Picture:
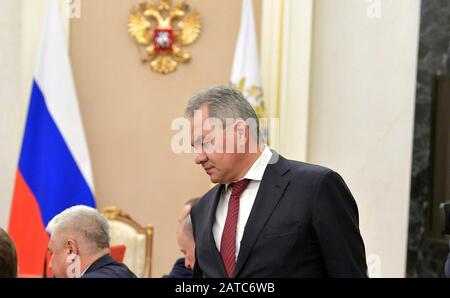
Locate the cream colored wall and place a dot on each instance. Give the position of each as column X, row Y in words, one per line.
column 11, row 104
column 127, row 112
column 361, row 117
column 286, row 60
column 343, row 85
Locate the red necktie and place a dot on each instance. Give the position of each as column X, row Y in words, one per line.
column 228, row 241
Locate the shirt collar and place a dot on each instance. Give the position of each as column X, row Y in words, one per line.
column 84, row 271
column 258, row 168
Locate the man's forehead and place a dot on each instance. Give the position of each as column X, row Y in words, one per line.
column 201, row 121
column 199, row 129
column 206, row 134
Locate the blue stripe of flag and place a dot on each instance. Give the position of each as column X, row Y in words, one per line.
column 47, row 164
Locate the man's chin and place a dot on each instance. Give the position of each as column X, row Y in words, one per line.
column 214, row 179
column 217, row 180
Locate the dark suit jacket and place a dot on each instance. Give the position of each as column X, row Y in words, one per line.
column 107, row 267
column 447, row 267
column 447, row 264
column 304, row 223
column 179, row 270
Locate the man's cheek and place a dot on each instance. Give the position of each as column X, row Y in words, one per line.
column 61, row 267
column 63, row 270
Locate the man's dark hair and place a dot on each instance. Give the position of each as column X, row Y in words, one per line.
column 8, row 256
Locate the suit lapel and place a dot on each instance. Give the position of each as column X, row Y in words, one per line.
column 270, row 192
column 210, row 237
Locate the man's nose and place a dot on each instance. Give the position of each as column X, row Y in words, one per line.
column 200, row 157
column 187, row 264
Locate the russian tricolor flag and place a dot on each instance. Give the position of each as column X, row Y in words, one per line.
column 54, row 169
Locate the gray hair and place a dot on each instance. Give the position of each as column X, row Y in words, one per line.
column 223, row 102
column 85, row 222
column 186, row 227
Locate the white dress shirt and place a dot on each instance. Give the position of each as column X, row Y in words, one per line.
column 246, row 200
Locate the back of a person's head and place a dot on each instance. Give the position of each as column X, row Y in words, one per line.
column 187, row 209
column 192, row 202
column 83, row 223
column 185, row 226
column 8, row 256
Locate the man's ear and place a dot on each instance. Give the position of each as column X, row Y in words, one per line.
column 72, row 247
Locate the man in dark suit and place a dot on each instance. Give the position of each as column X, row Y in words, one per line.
column 267, row 216
column 183, row 266
column 79, row 246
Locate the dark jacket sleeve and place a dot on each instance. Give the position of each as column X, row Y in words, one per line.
column 179, row 270
column 447, row 264
column 335, row 223
column 197, row 273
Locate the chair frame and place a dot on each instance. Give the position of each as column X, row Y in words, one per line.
column 115, row 213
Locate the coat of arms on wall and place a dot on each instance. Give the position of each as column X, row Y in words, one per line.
column 161, row 31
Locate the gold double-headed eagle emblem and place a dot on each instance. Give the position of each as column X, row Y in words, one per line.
column 161, row 30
